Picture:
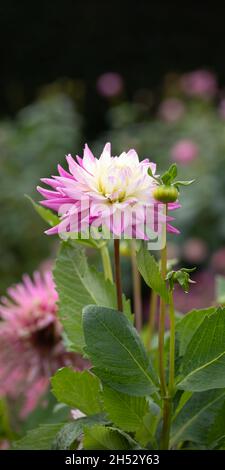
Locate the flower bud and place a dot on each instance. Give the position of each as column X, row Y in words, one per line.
column 165, row 193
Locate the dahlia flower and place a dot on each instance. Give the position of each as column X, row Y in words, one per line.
column 110, row 192
column 110, row 84
column 184, row 151
column 201, row 83
column 31, row 346
column 171, row 110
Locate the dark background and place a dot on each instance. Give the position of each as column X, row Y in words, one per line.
column 44, row 40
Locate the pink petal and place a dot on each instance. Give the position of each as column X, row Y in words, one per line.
column 63, row 172
column 106, row 153
column 50, row 182
column 47, row 193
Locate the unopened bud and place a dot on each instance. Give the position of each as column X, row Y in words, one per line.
column 165, row 193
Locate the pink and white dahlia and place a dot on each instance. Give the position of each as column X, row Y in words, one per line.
column 110, row 193
column 31, row 346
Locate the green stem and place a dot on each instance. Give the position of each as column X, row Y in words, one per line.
column 118, row 275
column 106, row 262
column 165, row 438
column 162, row 314
column 167, row 407
column 151, row 319
column 5, row 419
column 172, row 345
column 136, row 288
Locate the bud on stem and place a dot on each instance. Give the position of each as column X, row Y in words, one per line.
column 165, row 193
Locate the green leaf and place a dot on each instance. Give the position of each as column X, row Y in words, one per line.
column 173, row 170
column 196, row 417
column 150, row 172
column 116, row 351
column 188, row 325
column 149, row 269
column 39, row 439
column 170, row 174
column 183, row 183
column 145, row 434
column 86, row 242
column 46, row 214
column 180, row 400
column 216, row 432
column 68, row 434
column 125, row 411
column 52, row 219
column 106, row 438
column 203, row 365
column 78, row 285
column 220, row 289
column 57, row 436
column 156, row 178
column 78, row 390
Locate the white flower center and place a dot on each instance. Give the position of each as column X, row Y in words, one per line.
column 121, row 178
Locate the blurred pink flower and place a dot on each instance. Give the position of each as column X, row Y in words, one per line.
column 31, row 346
column 171, row 110
column 103, row 194
column 4, row 444
column 184, row 151
column 195, row 250
column 201, row 83
column 202, row 294
column 110, row 84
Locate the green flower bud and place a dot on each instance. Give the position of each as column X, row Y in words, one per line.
column 181, row 277
column 165, row 193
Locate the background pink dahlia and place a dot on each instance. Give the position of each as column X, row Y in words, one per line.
column 31, row 346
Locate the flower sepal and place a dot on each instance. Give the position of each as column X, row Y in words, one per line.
column 167, row 190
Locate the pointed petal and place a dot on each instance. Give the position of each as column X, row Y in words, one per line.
column 63, row 172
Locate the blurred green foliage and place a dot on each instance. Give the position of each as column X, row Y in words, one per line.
column 30, row 148
column 38, row 138
column 41, row 135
